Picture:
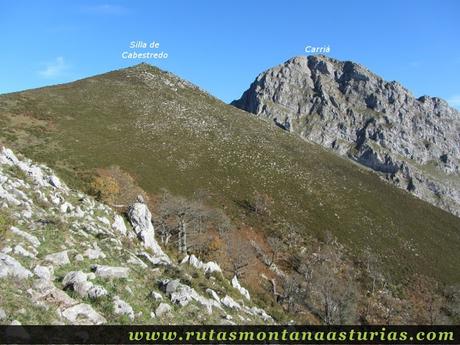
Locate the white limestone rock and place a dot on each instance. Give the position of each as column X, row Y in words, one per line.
column 83, row 314
column 230, row 303
column 31, row 238
column 242, row 290
column 108, row 272
column 58, row 259
column 10, row 267
column 141, row 220
column 44, row 272
column 2, row 315
column 120, row 307
column 20, row 250
column 163, row 309
column 119, row 225
column 208, row 267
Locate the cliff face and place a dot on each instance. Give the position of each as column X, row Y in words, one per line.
column 412, row 142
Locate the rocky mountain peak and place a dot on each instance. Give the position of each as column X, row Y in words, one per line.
column 412, row 142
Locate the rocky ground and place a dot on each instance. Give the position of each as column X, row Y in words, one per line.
column 68, row 259
column 412, row 142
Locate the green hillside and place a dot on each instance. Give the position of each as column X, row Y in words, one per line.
column 169, row 134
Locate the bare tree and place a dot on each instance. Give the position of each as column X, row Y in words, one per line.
column 332, row 292
column 277, row 248
column 239, row 252
column 292, row 292
column 221, row 221
column 181, row 217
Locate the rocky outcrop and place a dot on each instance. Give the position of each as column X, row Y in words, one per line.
column 104, row 272
column 208, row 267
column 141, row 219
column 236, row 284
column 412, row 142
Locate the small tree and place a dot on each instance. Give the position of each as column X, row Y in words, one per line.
column 239, row 252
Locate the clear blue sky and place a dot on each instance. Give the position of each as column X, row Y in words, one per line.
column 222, row 45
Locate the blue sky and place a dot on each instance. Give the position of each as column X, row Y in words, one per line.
column 222, row 45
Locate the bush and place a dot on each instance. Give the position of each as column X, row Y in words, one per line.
column 105, row 188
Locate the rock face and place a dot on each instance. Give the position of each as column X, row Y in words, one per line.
column 412, row 142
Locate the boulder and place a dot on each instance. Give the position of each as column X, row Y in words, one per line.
column 120, row 307
column 163, row 309
column 156, row 296
column 44, row 272
column 183, row 295
column 169, row 286
column 83, row 314
column 58, row 259
column 97, row 292
column 78, row 281
column 45, row 291
column 10, row 267
column 157, row 259
column 8, row 157
column 261, row 313
column 110, row 271
column 82, row 288
column 20, row 250
column 72, row 278
column 94, row 253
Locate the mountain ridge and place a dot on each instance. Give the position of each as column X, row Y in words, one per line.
column 343, row 106
column 168, row 135
column 286, row 216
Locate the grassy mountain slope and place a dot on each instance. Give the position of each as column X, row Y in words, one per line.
column 170, row 134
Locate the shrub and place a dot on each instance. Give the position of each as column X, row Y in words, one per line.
column 105, row 188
